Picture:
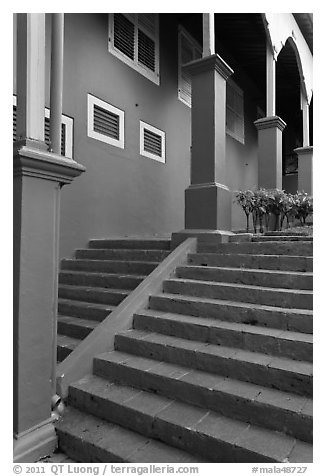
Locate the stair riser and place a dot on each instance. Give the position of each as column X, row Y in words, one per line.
column 238, row 276
column 62, row 353
column 251, row 315
column 84, row 451
column 89, row 312
column 123, row 267
column 269, row 248
column 126, row 255
column 185, row 438
column 276, row 263
column 263, row 239
column 234, row 406
column 288, row 381
column 288, row 299
column 75, row 331
column 131, row 244
column 226, row 337
column 97, row 280
column 92, row 295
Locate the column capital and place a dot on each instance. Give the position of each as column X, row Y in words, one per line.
column 35, row 162
column 304, row 150
column 208, row 63
column 270, row 122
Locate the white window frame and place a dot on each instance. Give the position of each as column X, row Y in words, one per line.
column 195, row 45
column 153, row 76
column 91, row 101
column 238, row 137
column 142, row 126
column 69, row 128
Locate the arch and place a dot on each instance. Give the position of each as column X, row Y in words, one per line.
column 282, row 27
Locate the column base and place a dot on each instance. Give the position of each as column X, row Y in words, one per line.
column 33, row 444
column 305, row 169
column 208, row 207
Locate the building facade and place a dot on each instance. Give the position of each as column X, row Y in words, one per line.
column 161, row 118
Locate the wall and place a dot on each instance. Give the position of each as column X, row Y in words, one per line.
column 121, row 191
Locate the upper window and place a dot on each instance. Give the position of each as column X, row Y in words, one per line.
column 134, row 38
column 67, row 125
column 234, row 111
column 188, row 50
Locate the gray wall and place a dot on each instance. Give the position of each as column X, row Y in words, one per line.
column 122, row 192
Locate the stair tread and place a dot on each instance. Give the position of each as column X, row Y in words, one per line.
column 234, row 303
column 242, row 286
column 100, row 273
column 124, row 444
column 199, row 421
column 87, row 304
column 237, row 355
column 211, row 253
column 95, row 289
column 77, row 321
column 230, row 386
column 249, row 270
column 235, row 326
column 66, row 341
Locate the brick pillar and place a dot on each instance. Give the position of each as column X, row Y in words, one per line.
column 270, row 151
column 305, row 174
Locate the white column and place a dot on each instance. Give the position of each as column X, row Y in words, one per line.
column 270, row 81
column 57, row 43
column 305, row 120
column 208, row 34
column 30, row 76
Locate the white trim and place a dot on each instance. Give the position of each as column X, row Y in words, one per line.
column 142, row 151
column 91, row 101
column 67, row 121
column 153, row 76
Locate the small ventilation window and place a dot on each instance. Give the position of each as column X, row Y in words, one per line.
column 134, row 39
column 105, row 122
column 152, row 142
column 66, row 130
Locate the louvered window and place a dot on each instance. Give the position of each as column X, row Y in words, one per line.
column 234, row 111
column 105, row 122
column 152, row 142
column 134, row 38
column 66, row 130
column 188, row 50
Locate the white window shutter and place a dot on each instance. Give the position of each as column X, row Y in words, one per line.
column 189, row 50
column 124, row 35
column 234, row 111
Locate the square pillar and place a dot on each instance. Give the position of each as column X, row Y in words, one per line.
column 305, row 174
column 270, row 151
column 208, row 199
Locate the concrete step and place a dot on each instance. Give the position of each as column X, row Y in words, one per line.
column 132, row 243
column 102, row 280
column 292, row 345
column 88, row 310
column 89, row 439
column 107, row 266
column 122, row 254
column 91, row 294
column 254, row 404
column 285, row 233
column 268, row 248
column 75, row 327
column 256, row 277
column 296, row 320
column 270, row 371
column 264, row 238
column 65, row 345
column 253, row 261
column 289, row 298
column 197, row 431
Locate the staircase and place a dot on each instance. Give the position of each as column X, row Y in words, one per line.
column 100, row 277
column 218, row 368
